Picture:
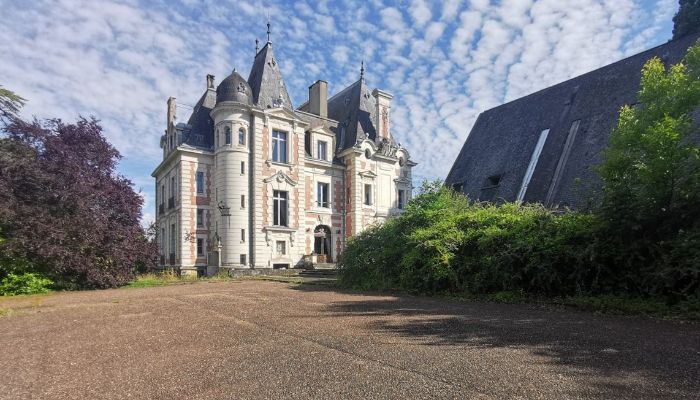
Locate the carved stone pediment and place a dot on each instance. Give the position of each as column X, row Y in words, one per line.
column 280, row 177
column 368, row 174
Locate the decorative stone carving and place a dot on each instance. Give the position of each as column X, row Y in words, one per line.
column 387, row 148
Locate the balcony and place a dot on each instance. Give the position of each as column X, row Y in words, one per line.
column 172, row 259
column 161, row 209
column 171, row 203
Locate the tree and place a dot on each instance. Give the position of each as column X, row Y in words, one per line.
column 64, row 209
column 651, row 179
column 10, row 104
column 687, row 20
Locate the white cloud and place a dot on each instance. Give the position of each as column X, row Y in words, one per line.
column 445, row 62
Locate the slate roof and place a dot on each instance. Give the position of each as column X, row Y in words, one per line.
column 199, row 131
column 503, row 138
column 354, row 109
column 266, row 81
column 234, row 88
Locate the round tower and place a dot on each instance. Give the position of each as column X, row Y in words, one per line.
column 231, row 117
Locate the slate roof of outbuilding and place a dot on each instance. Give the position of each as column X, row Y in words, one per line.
column 503, row 138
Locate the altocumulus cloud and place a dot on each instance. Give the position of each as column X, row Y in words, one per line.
column 445, row 61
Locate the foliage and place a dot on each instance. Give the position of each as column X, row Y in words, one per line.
column 687, row 20
column 651, row 181
column 64, row 212
column 442, row 243
column 10, row 104
column 27, row 283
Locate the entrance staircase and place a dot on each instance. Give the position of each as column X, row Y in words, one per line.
column 321, row 270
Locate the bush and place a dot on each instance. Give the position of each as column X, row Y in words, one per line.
column 27, row 283
column 444, row 244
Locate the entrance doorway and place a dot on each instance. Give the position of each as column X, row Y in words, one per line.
column 322, row 244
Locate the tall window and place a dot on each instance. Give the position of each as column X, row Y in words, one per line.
column 172, row 186
column 242, row 167
column 227, row 135
column 242, row 235
column 322, row 195
column 162, row 240
column 243, row 259
column 241, row 136
column 200, row 182
column 321, row 150
column 242, row 201
column 402, row 199
column 368, row 194
column 533, row 163
column 279, row 208
column 200, row 247
column 173, row 238
column 200, row 217
column 162, row 194
column 279, row 147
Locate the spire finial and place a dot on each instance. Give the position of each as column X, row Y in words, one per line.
column 362, row 71
column 257, row 45
column 268, row 28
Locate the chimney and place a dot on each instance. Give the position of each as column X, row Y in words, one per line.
column 172, row 108
column 318, row 99
column 210, row 81
column 383, row 101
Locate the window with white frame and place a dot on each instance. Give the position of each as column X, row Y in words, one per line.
column 322, row 150
column 279, row 147
column 322, row 196
column 279, row 208
column 368, row 194
column 200, row 182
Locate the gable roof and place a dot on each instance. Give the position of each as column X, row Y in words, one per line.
column 266, row 81
column 580, row 114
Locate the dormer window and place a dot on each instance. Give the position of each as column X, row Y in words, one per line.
column 227, row 135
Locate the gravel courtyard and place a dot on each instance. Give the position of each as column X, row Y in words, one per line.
column 259, row 339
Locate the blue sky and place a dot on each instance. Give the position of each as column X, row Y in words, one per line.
column 444, row 61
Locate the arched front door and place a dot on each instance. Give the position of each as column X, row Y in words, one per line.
column 322, row 243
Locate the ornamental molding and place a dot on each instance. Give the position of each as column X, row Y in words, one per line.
column 367, row 174
column 280, row 177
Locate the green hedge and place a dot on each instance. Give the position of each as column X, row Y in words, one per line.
column 444, row 244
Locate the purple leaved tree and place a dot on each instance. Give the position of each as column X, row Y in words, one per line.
column 64, row 210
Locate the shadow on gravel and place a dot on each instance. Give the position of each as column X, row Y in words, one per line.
column 663, row 353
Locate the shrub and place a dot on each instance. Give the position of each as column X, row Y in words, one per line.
column 26, row 283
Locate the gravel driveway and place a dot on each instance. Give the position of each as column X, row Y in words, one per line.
column 257, row 339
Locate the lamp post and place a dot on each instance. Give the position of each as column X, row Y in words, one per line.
column 225, row 211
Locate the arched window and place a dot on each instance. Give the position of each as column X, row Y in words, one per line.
column 241, row 136
column 227, row 135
